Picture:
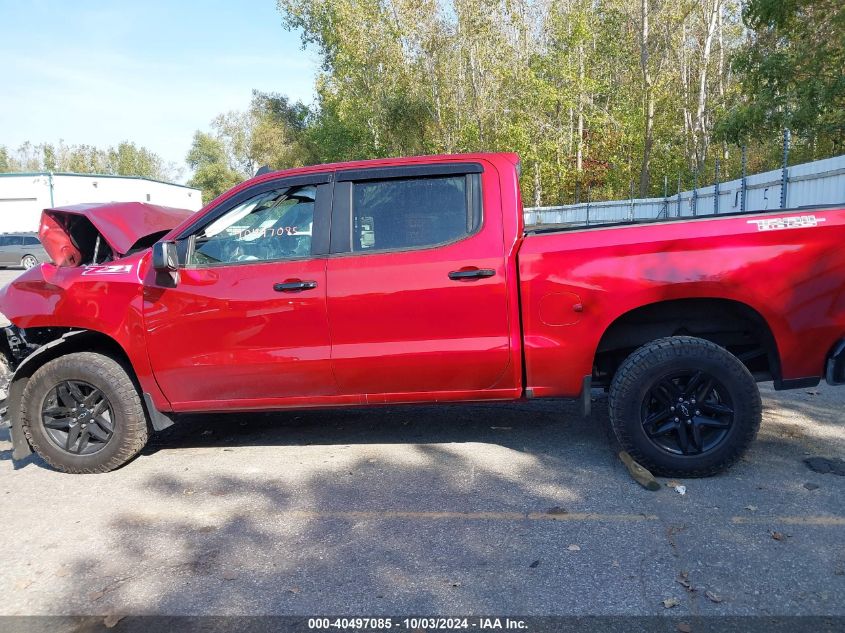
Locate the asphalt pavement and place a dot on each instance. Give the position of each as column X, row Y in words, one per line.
column 511, row 509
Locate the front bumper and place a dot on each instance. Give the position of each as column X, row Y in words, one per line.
column 13, row 349
column 835, row 369
column 5, row 382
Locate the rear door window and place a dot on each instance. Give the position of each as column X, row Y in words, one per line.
column 412, row 213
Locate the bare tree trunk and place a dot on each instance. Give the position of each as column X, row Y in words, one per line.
column 719, row 30
column 701, row 113
column 648, row 101
column 558, row 161
column 579, row 153
column 537, row 190
column 689, row 142
column 721, row 71
column 476, row 97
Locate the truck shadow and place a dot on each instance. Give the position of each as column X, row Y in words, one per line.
column 505, row 423
column 427, row 510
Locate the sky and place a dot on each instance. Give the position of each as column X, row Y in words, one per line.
column 151, row 71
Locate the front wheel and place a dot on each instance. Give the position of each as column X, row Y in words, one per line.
column 82, row 414
column 684, row 407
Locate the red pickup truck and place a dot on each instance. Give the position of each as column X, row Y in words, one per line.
column 413, row 280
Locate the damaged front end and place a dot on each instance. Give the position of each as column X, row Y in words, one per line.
column 87, row 298
column 9, row 339
column 16, row 346
column 87, row 234
column 77, row 237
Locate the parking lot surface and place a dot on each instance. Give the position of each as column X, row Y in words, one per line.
column 520, row 509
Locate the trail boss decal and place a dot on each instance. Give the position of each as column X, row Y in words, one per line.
column 794, row 222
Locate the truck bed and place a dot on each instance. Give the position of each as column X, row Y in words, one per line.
column 787, row 266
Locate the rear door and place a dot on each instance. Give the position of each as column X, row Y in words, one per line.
column 417, row 296
column 18, row 243
column 31, row 246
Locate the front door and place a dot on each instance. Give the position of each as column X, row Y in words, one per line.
column 245, row 324
column 417, row 295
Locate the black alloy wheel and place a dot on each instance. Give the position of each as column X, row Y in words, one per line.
column 78, row 417
column 687, row 413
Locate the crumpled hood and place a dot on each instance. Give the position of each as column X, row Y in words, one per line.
column 121, row 224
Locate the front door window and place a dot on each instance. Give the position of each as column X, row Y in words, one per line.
column 271, row 226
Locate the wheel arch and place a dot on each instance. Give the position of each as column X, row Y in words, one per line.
column 732, row 324
column 68, row 343
column 74, row 341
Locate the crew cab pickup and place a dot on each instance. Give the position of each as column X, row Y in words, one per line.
column 413, row 280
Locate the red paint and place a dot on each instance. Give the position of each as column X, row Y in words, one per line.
column 108, row 302
column 224, row 334
column 392, row 327
column 794, row 278
column 400, row 325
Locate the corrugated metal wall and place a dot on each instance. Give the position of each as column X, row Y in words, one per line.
column 819, row 182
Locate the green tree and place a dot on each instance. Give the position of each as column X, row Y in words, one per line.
column 126, row 159
column 213, row 173
column 791, row 75
column 272, row 132
column 278, row 137
column 595, row 95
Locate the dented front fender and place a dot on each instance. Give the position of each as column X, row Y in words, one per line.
column 104, row 298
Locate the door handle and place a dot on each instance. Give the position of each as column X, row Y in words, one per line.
column 475, row 273
column 294, row 286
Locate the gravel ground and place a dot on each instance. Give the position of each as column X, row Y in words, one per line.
column 473, row 509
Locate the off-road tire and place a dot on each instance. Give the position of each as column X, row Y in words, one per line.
column 109, row 376
column 648, row 365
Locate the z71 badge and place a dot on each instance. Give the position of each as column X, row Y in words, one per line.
column 109, row 269
column 793, row 222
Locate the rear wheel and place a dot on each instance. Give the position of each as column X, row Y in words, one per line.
column 82, row 414
column 683, row 406
column 29, row 261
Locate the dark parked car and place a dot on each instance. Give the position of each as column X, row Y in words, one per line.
column 21, row 249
